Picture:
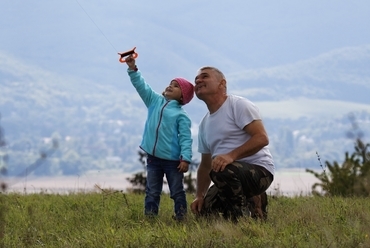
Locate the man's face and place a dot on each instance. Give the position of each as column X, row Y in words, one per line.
column 206, row 82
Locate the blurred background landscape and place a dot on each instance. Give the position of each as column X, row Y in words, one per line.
column 305, row 65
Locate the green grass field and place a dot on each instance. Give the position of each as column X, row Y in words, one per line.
column 108, row 218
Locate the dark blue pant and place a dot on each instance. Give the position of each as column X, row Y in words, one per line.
column 156, row 169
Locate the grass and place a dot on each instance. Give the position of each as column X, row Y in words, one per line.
column 110, row 218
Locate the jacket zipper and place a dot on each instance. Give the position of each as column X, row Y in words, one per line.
column 157, row 130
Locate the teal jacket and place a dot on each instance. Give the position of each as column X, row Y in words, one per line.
column 167, row 133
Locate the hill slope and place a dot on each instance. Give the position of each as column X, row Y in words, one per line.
column 305, row 108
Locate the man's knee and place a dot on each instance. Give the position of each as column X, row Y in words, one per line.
column 227, row 175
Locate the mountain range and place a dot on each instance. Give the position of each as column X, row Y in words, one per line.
column 102, row 127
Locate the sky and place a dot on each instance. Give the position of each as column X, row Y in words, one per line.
column 241, row 34
column 247, row 40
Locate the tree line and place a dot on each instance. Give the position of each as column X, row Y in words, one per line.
column 352, row 176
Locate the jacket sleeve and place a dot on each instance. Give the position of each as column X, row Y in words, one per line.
column 185, row 138
column 146, row 93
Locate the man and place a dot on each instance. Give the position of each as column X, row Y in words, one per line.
column 234, row 154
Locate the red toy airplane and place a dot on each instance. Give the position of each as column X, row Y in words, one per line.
column 125, row 54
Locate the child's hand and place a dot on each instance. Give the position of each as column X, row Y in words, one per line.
column 183, row 167
column 130, row 61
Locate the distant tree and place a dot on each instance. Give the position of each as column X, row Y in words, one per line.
column 3, row 158
column 42, row 159
column 3, row 186
column 138, row 181
column 189, row 180
column 352, row 177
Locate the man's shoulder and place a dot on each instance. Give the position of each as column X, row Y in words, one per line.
column 237, row 100
column 233, row 97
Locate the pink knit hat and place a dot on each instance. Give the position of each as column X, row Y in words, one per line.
column 187, row 89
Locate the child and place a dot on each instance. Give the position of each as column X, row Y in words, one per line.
column 166, row 139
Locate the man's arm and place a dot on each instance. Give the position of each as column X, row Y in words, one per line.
column 203, row 182
column 203, row 179
column 258, row 140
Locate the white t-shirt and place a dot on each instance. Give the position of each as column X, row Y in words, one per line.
column 222, row 131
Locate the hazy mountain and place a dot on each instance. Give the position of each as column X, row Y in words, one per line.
column 101, row 128
column 341, row 74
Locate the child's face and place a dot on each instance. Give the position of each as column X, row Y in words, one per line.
column 173, row 91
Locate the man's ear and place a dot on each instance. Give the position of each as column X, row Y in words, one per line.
column 223, row 83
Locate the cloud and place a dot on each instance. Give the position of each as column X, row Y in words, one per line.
column 310, row 108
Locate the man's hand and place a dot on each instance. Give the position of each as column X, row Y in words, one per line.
column 220, row 161
column 196, row 205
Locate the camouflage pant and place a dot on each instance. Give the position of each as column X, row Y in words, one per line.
column 236, row 189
